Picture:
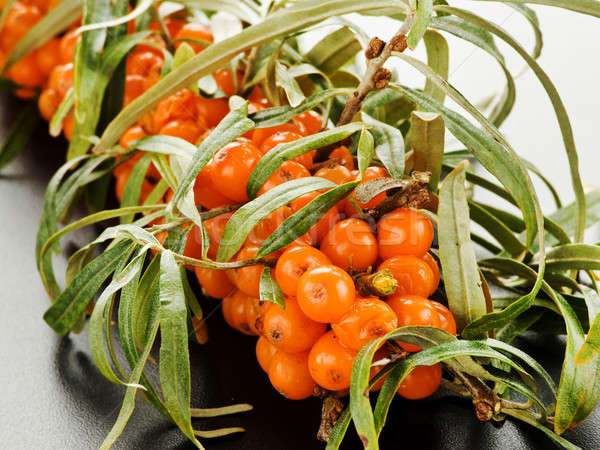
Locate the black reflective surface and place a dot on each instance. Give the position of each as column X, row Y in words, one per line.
column 52, row 396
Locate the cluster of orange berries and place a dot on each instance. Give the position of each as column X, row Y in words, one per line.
column 314, row 340
column 33, row 70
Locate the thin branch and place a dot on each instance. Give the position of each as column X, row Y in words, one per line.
column 487, row 403
column 376, row 76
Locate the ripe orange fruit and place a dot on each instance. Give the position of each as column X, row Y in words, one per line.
column 289, row 375
column 293, row 263
column 447, row 321
column 345, row 157
column 336, row 174
column 351, row 244
column 232, row 166
column 325, row 293
column 260, row 135
column 421, row 382
column 291, row 330
column 367, row 319
column 311, row 120
column 205, row 192
column 265, row 352
column 283, row 137
column 413, row 310
column 414, row 276
column 193, row 31
column 48, row 103
column 48, row 56
column 68, row 43
column 404, row 232
column 234, row 312
column 289, row 170
column 433, row 265
column 322, row 227
column 25, row 72
column 214, row 282
column 372, row 173
column 212, row 109
column 247, row 279
column 330, row 363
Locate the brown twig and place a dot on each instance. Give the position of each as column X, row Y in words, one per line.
column 487, row 403
column 376, row 76
column 330, row 413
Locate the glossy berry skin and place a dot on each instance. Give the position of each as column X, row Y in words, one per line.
column 247, row 279
column 260, row 135
column 25, row 72
column 336, row 174
column 351, row 244
column 421, row 382
column 214, row 228
column 433, row 265
column 69, row 127
column 447, row 321
column 330, row 363
column 61, row 79
column 188, row 130
column 179, row 106
column 322, row 227
column 404, row 232
column 367, row 319
column 289, row 170
column 343, row 154
column 19, row 19
column 212, row 109
column 291, row 330
column 326, row 293
column 265, row 351
column 48, row 56
column 68, row 43
column 226, row 83
column 234, row 312
column 135, row 85
column 283, row 137
column 293, row 263
column 214, row 282
column 232, row 166
column 414, row 276
column 205, row 192
column 413, row 310
column 289, row 375
column 48, row 103
column 311, row 121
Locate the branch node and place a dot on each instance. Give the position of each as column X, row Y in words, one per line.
column 382, row 78
column 375, row 48
column 399, row 43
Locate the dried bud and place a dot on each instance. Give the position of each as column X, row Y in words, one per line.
column 374, row 49
column 399, row 43
column 381, row 78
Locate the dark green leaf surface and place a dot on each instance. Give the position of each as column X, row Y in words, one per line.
column 19, row 134
column 269, row 289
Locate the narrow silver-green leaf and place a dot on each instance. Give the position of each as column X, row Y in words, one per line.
column 427, row 140
column 422, row 19
column 389, row 145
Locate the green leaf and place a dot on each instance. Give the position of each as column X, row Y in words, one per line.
column 528, row 417
column 422, row 19
column 19, row 134
column 457, row 255
column 64, row 109
column 574, row 257
column 280, row 23
column 270, row 162
column 334, row 50
column 365, row 150
column 166, row 145
column 591, row 346
column 270, row 290
column 174, row 366
column 555, row 99
column 532, row 18
column 389, row 145
column 141, row 7
column 289, row 84
column 232, row 126
column 590, row 7
column 497, row 228
column 427, row 140
column 339, row 430
column 184, row 53
column 133, row 187
column 299, row 223
column 56, row 21
column 73, row 301
column 248, row 216
column 438, row 58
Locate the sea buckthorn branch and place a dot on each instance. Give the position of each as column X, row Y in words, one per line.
column 380, row 283
column 330, row 412
column 270, row 262
column 376, row 76
column 487, row 403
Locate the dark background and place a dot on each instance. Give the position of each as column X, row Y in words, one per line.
column 53, row 397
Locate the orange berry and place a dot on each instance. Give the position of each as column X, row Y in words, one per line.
column 214, row 282
column 322, row 227
column 214, row 228
column 146, row 64
column 336, row 174
column 232, row 166
column 412, row 274
column 421, row 382
column 260, row 135
column 25, row 72
column 413, row 310
column 404, row 232
column 289, row 170
column 345, row 157
column 122, row 183
column 433, row 265
column 134, row 133
column 173, row 25
column 225, row 81
column 290, row 329
column 234, row 311
column 293, row 263
column 351, row 244
column 48, row 56
column 283, row 137
column 61, row 79
column 367, row 319
column 17, row 23
column 289, row 375
column 48, row 103
column 247, row 279
column 68, row 43
column 181, row 105
column 212, row 109
column 193, row 31
column 205, row 192
column 193, row 245
column 326, row 293
column 447, row 321
column 265, row 352
column 69, row 126
column 135, row 85
column 311, row 120
column 330, row 363
column 268, row 225
column 188, row 130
